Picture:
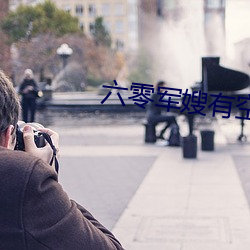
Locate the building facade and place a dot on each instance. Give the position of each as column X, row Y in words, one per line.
column 15, row 3
column 208, row 13
column 120, row 18
column 147, row 10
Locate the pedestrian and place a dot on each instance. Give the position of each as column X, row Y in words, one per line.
column 35, row 212
column 155, row 114
column 29, row 92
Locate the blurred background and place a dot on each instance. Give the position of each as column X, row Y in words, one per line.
column 76, row 46
column 127, row 40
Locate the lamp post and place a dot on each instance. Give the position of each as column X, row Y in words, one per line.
column 64, row 51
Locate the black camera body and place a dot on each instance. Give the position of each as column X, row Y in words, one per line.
column 38, row 138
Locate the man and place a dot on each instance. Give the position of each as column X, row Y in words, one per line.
column 35, row 212
column 154, row 112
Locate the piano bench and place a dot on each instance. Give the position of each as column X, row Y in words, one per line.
column 150, row 132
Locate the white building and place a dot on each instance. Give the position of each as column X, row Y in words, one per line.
column 15, row 3
column 120, row 17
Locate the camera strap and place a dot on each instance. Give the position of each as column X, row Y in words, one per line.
column 48, row 139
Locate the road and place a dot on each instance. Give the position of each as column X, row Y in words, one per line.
column 98, row 167
column 102, row 182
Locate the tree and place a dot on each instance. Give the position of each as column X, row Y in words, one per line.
column 42, row 18
column 100, row 33
column 94, row 64
column 5, row 63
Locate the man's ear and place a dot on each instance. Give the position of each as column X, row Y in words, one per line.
column 7, row 140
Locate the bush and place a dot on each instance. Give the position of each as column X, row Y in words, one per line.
column 93, row 81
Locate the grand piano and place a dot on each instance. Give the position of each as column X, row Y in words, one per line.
column 231, row 83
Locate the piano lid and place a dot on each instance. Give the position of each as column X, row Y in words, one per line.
column 218, row 78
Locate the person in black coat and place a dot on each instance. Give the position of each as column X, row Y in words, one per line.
column 29, row 92
column 155, row 113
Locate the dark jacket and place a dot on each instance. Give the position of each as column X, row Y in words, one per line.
column 152, row 108
column 31, row 94
column 36, row 214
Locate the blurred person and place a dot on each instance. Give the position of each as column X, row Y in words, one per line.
column 29, row 92
column 35, row 212
column 155, row 113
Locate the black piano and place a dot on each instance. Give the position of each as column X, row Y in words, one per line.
column 231, row 83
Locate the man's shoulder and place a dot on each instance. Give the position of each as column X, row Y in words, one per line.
column 14, row 160
column 16, row 169
column 22, row 163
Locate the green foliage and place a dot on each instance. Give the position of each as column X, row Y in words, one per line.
column 142, row 70
column 42, row 18
column 93, row 80
column 100, row 33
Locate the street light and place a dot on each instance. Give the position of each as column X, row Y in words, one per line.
column 64, row 51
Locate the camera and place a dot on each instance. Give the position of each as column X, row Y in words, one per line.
column 38, row 137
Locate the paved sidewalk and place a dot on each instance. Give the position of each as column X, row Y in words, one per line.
column 175, row 204
column 188, row 204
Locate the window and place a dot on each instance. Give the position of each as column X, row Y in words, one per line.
column 132, row 26
column 119, row 9
column 91, row 27
column 79, row 10
column 170, row 4
column 82, row 26
column 119, row 44
column 92, row 10
column 215, row 4
column 132, row 10
column 106, row 9
column 107, row 25
column 119, row 26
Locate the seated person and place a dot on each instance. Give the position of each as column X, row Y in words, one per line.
column 155, row 114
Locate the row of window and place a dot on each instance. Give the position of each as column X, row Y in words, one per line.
column 175, row 4
column 118, row 28
column 119, row 44
column 107, row 9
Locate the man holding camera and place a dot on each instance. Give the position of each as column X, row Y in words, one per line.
column 35, row 212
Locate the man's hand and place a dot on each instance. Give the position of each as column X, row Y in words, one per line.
column 45, row 153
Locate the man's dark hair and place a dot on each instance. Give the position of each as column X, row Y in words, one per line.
column 160, row 83
column 9, row 104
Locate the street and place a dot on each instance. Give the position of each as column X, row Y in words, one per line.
column 139, row 188
column 102, row 182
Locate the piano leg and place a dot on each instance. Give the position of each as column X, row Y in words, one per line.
column 242, row 137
